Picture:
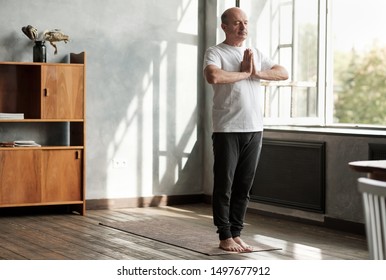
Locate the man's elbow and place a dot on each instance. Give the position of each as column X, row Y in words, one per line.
column 211, row 79
column 212, row 75
column 283, row 74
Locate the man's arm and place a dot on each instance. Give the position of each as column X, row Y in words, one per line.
column 215, row 75
column 276, row 73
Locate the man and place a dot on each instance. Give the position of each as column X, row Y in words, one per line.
column 234, row 72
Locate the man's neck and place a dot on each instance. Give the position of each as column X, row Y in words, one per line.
column 234, row 44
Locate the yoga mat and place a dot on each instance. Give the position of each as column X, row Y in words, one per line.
column 186, row 234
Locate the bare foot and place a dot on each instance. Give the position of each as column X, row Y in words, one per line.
column 245, row 246
column 230, row 245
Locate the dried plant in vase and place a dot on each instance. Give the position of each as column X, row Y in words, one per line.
column 52, row 36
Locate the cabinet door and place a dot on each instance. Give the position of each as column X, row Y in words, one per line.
column 62, row 92
column 62, row 175
column 19, row 177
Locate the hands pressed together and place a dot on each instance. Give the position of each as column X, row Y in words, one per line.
column 247, row 65
column 276, row 73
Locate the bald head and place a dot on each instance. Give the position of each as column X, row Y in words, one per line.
column 230, row 13
column 234, row 23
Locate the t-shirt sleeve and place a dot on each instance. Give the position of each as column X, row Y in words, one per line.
column 266, row 62
column 212, row 57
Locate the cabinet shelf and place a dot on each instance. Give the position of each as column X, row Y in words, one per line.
column 76, row 202
column 42, row 148
column 51, row 97
column 79, row 63
column 39, row 120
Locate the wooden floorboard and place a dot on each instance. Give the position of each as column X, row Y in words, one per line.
column 60, row 236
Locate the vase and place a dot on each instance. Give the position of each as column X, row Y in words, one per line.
column 39, row 52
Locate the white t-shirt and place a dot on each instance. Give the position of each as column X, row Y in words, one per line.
column 236, row 106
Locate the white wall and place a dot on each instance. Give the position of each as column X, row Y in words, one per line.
column 142, row 59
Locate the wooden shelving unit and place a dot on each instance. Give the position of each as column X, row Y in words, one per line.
column 52, row 98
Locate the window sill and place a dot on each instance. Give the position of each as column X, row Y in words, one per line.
column 346, row 130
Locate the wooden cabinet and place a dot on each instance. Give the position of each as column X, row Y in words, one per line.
column 51, row 97
column 62, row 85
column 62, row 176
column 20, row 177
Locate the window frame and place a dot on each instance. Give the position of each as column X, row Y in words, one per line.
column 292, row 84
column 325, row 76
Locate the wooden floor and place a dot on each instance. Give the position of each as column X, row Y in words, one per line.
column 68, row 236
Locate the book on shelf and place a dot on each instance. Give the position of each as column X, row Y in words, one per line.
column 20, row 143
column 26, row 143
column 7, row 144
column 11, row 116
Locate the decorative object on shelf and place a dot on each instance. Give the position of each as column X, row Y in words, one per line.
column 55, row 36
column 39, row 52
column 52, row 36
column 30, row 31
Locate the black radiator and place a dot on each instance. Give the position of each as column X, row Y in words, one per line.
column 291, row 174
column 377, row 151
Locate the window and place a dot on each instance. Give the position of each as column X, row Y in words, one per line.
column 358, row 62
column 335, row 54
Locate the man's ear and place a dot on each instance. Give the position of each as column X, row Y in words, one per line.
column 223, row 26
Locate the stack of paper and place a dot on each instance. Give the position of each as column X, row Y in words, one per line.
column 26, row 143
column 12, row 116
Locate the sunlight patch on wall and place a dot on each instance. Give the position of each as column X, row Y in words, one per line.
column 163, row 101
column 187, row 17
column 130, row 169
column 186, row 98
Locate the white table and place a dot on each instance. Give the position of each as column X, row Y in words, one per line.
column 375, row 169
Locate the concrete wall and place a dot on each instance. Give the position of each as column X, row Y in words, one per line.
column 142, row 87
